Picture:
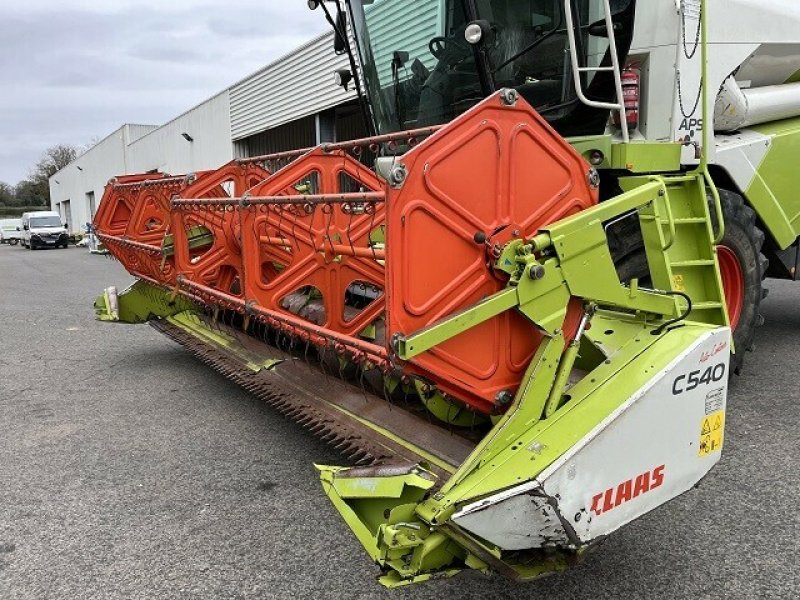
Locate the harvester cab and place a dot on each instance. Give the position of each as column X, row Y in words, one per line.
column 453, row 54
column 505, row 306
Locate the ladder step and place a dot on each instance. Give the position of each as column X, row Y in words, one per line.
column 706, row 305
column 690, row 220
column 692, row 263
column 681, row 221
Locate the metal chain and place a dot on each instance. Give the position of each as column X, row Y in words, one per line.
column 689, row 56
column 688, row 115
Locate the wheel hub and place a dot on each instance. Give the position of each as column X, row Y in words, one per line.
column 732, row 282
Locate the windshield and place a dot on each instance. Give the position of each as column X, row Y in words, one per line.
column 420, row 71
column 39, row 222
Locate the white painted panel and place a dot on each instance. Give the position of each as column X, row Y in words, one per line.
column 166, row 150
column 655, row 446
column 141, row 148
column 90, row 172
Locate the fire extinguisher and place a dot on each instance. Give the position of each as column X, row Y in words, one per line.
column 631, row 92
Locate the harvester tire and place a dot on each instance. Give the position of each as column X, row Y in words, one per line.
column 741, row 249
column 743, row 269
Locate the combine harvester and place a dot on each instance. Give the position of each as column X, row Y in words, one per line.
column 511, row 307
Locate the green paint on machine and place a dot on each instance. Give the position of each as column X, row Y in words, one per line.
column 773, row 192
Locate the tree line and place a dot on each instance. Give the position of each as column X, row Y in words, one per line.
column 34, row 190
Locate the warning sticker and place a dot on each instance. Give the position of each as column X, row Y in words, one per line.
column 712, row 430
column 715, row 400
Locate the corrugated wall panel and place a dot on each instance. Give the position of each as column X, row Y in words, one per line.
column 137, row 131
column 291, row 88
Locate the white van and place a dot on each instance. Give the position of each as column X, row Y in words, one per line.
column 10, row 231
column 43, row 229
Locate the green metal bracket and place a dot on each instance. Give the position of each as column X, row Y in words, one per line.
column 635, row 156
column 422, row 341
column 378, row 503
column 646, row 157
column 138, row 304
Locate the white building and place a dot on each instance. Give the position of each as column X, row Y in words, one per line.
column 291, row 103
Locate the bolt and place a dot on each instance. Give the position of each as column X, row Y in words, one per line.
column 504, row 398
column 536, row 272
column 593, row 177
column 398, row 174
column 509, row 96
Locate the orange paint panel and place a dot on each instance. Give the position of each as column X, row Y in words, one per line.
column 310, row 233
column 496, row 170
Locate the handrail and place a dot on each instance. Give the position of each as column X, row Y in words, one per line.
column 708, row 128
column 615, row 67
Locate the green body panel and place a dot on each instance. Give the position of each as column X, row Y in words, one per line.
column 140, row 303
column 773, row 192
column 636, row 157
column 646, row 157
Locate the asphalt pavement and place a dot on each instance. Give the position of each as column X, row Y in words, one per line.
column 130, row 470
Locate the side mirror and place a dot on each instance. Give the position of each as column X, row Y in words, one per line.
column 18, row 229
column 66, row 226
column 340, row 39
column 25, row 227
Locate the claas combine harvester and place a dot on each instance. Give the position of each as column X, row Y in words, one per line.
column 516, row 306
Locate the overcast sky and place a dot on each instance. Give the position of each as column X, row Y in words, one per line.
column 75, row 70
